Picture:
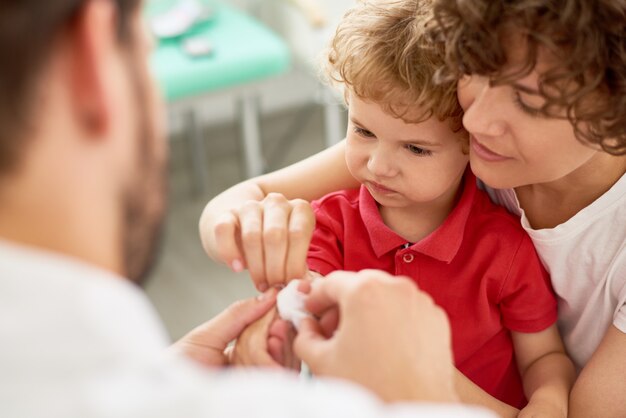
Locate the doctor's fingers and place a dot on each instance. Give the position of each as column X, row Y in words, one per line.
column 344, row 288
column 207, row 342
column 312, row 346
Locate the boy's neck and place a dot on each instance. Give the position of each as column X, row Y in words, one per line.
column 416, row 222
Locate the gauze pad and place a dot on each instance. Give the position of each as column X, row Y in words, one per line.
column 290, row 304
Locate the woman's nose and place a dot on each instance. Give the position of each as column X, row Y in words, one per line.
column 483, row 106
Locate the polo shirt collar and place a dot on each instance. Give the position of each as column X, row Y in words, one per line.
column 442, row 244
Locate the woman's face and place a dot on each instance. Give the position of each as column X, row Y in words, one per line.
column 510, row 145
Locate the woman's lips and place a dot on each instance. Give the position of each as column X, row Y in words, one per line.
column 485, row 153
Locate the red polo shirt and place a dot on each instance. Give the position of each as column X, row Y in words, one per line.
column 479, row 265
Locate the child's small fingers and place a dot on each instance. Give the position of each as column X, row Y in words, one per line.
column 279, row 329
column 291, row 359
column 275, row 350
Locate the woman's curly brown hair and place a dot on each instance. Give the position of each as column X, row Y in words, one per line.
column 380, row 52
column 587, row 38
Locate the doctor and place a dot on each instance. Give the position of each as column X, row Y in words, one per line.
column 82, row 197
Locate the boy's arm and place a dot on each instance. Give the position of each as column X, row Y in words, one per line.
column 233, row 226
column 599, row 390
column 547, row 372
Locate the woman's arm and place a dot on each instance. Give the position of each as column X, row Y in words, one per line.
column 472, row 394
column 267, row 233
column 600, row 390
column 547, row 372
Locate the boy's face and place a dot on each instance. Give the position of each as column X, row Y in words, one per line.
column 403, row 164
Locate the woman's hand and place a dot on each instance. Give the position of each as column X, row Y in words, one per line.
column 248, row 226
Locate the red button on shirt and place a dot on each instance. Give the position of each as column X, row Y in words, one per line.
column 479, row 265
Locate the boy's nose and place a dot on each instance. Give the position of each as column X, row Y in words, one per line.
column 381, row 164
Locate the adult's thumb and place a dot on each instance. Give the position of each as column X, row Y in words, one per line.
column 231, row 322
column 310, row 344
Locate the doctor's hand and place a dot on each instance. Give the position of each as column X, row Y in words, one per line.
column 390, row 337
column 269, row 237
column 207, row 343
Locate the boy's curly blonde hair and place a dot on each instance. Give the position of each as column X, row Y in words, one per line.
column 380, row 53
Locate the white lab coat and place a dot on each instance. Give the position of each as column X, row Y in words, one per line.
column 78, row 342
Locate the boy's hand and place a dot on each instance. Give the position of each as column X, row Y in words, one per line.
column 251, row 348
column 280, row 344
column 270, row 238
column 266, row 343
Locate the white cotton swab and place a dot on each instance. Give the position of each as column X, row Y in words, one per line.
column 290, row 304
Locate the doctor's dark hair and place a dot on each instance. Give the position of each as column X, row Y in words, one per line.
column 28, row 31
column 585, row 38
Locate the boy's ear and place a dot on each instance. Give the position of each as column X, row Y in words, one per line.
column 92, row 47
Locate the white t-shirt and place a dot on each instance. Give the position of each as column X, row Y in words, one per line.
column 78, row 342
column 586, row 258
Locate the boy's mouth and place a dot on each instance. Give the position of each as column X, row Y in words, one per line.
column 379, row 188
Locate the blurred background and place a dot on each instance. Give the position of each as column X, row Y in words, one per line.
column 243, row 97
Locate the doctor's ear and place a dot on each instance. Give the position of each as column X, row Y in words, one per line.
column 91, row 46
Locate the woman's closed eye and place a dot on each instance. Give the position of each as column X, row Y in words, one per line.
column 529, row 110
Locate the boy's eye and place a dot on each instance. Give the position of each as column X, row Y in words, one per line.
column 363, row 132
column 417, row 150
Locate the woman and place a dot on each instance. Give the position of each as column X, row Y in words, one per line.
column 543, row 87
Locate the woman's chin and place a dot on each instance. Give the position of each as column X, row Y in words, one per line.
column 497, row 179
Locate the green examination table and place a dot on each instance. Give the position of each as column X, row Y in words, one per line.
column 242, row 52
